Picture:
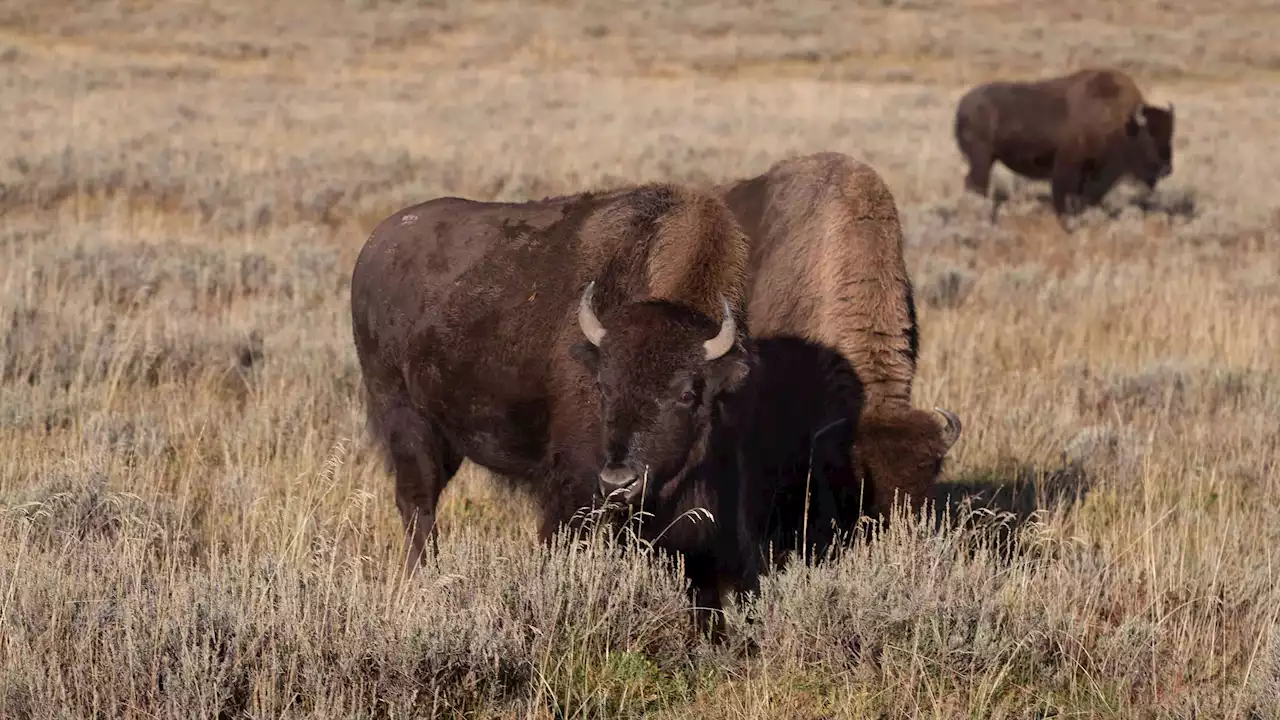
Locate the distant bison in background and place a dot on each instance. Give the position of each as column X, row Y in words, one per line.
column 827, row 265
column 582, row 346
column 1082, row 132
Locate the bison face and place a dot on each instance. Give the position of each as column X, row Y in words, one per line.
column 1160, row 127
column 1150, row 144
column 662, row 372
column 904, row 451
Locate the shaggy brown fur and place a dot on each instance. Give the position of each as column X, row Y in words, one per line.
column 827, row 265
column 468, row 320
column 1082, row 131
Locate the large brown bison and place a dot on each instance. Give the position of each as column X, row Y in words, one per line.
column 827, row 265
column 1082, row 132
column 582, row 346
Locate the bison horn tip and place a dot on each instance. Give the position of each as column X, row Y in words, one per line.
column 587, row 319
column 717, row 346
column 951, row 432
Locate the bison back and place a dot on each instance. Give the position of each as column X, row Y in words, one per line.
column 827, row 265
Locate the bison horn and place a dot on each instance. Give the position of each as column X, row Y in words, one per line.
column 717, row 346
column 951, row 432
column 587, row 319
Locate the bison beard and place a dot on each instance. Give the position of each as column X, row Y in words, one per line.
column 469, row 320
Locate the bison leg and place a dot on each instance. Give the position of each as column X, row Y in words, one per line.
column 836, row 491
column 704, row 590
column 978, row 180
column 424, row 463
column 1095, row 186
column 1067, row 187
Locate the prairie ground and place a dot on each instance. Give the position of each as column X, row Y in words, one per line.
column 193, row 522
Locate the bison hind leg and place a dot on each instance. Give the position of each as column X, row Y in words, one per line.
column 423, row 462
column 978, row 179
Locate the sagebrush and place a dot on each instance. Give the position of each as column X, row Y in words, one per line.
column 194, row 523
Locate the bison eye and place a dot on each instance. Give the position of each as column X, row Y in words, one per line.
column 687, row 397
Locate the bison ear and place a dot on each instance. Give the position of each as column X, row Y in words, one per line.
column 1132, row 127
column 586, row 354
column 728, row 373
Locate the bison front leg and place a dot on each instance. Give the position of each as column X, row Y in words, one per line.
column 704, row 591
column 1066, row 185
column 1096, row 184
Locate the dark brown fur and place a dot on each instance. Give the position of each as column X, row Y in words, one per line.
column 1082, row 132
column 465, row 318
column 827, row 265
column 807, row 399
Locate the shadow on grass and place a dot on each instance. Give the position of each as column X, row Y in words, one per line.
column 999, row 502
column 1172, row 203
column 990, row 506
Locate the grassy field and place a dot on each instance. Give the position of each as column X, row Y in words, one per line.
column 193, row 522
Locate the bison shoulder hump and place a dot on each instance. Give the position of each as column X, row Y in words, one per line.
column 1111, row 86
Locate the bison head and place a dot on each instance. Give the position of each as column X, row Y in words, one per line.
column 902, row 450
column 1150, row 143
column 662, row 372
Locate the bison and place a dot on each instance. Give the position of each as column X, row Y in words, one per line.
column 826, row 265
column 1082, row 132
column 583, row 346
column 807, row 400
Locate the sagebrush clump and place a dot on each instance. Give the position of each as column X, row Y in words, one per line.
column 194, row 523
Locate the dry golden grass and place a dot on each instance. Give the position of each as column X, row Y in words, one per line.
column 193, row 524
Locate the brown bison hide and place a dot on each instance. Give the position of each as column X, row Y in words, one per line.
column 580, row 346
column 827, row 265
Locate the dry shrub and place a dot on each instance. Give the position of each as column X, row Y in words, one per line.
column 194, row 523
column 489, row 625
column 945, row 287
column 76, row 505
